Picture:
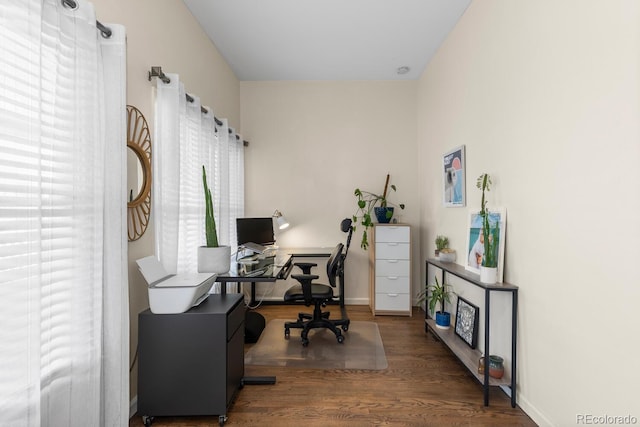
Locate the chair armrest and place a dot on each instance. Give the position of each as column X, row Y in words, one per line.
column 305, row 266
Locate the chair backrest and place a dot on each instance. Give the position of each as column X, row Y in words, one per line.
column 345, row 226
column 334, row 264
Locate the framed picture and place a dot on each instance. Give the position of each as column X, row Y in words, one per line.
column 467, row 317
column 475, row 239
column 453, row 178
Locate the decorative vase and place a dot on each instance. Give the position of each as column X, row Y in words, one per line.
column 381, row 214
column 488, row 275
column 214, row 260
column 496, row 367
column 443, row 320
column 448, row 256
column 481, row 365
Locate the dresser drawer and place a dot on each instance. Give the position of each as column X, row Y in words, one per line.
column 392, row 267
column 392, row 250
column 392, row 233
column 392, row 302
column 392, row 285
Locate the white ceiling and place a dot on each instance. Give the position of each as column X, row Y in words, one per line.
column 327, row 39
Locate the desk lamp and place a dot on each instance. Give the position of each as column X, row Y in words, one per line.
column 280, row 219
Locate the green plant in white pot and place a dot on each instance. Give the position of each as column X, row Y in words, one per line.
column 490, row 235
column 212, row 258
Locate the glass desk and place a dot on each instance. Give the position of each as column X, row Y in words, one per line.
column 257, row 269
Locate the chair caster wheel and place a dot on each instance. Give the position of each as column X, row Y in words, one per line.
column 305, row 342
column 340, row 339
column 345, row 328
column 287, row 334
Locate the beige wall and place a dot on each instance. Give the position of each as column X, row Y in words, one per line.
column 166, row 34
column 545, row 96
column 313, row 143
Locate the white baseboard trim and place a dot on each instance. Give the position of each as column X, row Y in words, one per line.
column 133, row 406
column 537, row 416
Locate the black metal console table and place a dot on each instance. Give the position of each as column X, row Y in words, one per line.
column 468, row 356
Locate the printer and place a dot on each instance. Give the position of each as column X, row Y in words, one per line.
column 173, row 293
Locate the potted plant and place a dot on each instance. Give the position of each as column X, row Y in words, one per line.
column 442, row 242
column 490, row 235
column 212, row 258
column 437, row 293
column 370, row 202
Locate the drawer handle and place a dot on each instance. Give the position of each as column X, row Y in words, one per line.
column 392, row 244
column 392, row 277
column 392, row 260
column 392, row 295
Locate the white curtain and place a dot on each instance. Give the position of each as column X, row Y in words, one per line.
column 63, row 283
column 186, row 139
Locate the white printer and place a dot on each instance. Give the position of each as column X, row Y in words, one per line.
column 173, row 293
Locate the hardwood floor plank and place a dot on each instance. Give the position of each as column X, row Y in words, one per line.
column 424, row 385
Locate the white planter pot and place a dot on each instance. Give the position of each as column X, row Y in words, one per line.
column 488, row 275
column 214, row 260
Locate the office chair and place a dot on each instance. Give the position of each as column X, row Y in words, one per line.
column 320, row 294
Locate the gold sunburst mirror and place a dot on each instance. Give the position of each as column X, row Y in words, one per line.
column 138, row 173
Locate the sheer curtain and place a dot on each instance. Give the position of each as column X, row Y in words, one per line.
column 178, row 203
column 63, row 283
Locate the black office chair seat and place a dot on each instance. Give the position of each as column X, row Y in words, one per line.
column 319, row 295
column 318, row 291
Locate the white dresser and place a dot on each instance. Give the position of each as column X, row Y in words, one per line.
column 390, row 269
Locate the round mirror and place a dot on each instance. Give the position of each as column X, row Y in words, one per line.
column 135, row 175
column 138, row 173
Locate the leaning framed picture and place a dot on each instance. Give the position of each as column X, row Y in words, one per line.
column 453, row 178
column 467, row 317
column 475, row 239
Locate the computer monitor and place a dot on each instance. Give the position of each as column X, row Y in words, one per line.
column 256, row 230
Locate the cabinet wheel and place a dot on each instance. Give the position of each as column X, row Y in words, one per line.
column 222, row 419
column 147, row 420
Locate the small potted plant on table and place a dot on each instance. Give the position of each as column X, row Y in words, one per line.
column 438, row 294
column 441, row 243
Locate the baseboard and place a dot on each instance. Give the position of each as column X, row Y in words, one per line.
column 133, row 406
column 537, row 416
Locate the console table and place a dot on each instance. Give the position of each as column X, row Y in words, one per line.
column 191, row 363
column 468, row 356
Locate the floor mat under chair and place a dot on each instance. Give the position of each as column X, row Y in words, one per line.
column 362, row 348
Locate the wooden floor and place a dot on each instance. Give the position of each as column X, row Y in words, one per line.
column 424, row 385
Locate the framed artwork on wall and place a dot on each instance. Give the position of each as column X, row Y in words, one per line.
column 475, row 239
column 467, row 317
column 453, row 178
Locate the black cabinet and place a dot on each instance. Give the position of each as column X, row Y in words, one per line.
column 191, row 363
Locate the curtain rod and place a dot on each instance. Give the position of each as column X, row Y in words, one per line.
column 157, row 72
column 105, row 31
